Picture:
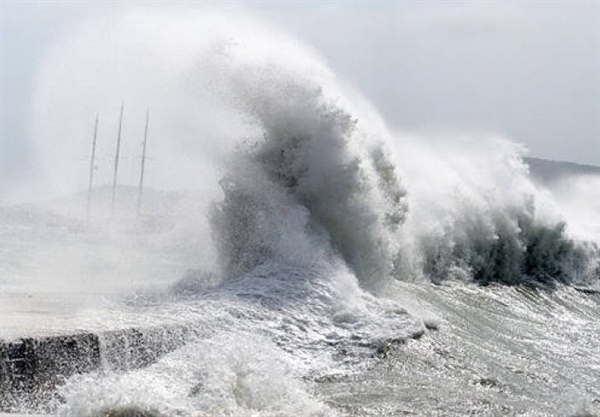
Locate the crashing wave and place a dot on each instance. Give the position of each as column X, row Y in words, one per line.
column 312, row 170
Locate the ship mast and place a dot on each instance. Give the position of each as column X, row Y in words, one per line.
column 143, row 162
column 92, row 161
column 114, row 187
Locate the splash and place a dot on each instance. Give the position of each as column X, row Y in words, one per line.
column 299, row 166
column 334, row 181
column 479, row 216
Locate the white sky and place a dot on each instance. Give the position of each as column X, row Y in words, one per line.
column 528, row 70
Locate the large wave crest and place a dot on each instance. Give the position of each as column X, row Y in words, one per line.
column 300, row 166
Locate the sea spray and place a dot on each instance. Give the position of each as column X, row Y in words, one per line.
column 476, row 215
column 330, row 169
column 288, row 153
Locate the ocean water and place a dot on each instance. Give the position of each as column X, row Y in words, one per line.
column 326, row 264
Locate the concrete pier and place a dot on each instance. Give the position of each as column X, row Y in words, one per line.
column 40, row 349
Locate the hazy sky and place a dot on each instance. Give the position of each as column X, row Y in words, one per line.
column 528, row 70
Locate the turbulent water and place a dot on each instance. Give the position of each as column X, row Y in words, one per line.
column 334, row 266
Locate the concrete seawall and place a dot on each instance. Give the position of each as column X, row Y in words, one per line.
column 31, row 368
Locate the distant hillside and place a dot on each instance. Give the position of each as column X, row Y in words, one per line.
column 548, row 171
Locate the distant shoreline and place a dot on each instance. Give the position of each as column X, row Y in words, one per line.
column 546, row 170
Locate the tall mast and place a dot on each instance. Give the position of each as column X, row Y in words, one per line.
column 114, row 187
column 89, row 200
column 143, row 161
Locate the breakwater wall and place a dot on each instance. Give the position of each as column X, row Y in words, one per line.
column 32, row 368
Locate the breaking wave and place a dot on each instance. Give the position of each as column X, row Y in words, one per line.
column 307, row 169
